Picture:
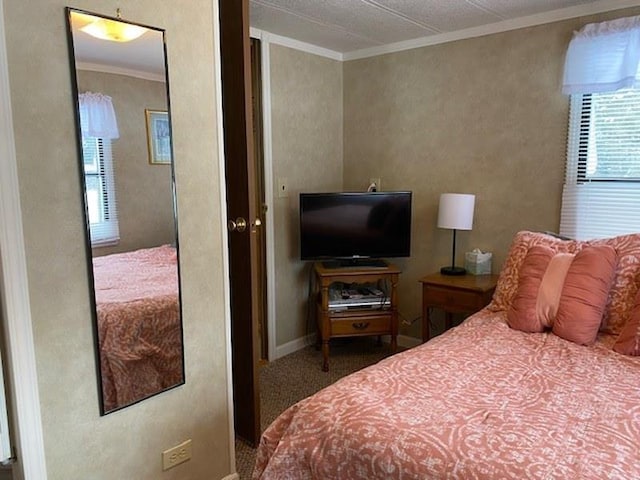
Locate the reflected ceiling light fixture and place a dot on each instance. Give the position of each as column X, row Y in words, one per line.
column 113, row 30
column 455, row 213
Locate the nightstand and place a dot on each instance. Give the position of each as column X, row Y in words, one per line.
column 454, row 294
column 357, row 321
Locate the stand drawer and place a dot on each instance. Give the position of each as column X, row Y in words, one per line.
column 449, row 299
column 361, row 325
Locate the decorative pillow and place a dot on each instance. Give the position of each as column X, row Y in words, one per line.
column 628, row 343
column 625, row 284
column 584, row 294
column 510, row 274
column 626, row 281
column 542, row 276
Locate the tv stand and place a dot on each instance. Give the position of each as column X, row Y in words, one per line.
column 355, row 263
column 355, row 321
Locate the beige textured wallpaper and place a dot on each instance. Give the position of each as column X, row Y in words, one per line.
column 143, row 191
column 306, row 110
column 483, row 116
column 79, row 444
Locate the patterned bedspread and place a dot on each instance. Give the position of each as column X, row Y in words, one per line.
column 139, row 326
column 481, row 401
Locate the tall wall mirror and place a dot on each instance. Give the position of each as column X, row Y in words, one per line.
column 123, row 122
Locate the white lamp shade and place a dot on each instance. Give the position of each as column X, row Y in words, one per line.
column 456, row 211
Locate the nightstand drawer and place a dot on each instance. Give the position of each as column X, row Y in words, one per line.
column 362, row 325
column 447, row 298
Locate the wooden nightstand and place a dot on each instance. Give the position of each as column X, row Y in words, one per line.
column 357, row 321
column 454, row 294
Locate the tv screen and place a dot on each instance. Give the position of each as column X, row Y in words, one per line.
column 355, row 225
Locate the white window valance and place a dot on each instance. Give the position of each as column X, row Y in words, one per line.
column 603, row 57
column 97, row 116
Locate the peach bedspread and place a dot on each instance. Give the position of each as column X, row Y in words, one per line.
column 481, row 401
column 139, row 327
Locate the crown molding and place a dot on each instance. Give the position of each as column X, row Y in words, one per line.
column 129, row 72
column 498, row 27
column 295, row 44
column 599, row 6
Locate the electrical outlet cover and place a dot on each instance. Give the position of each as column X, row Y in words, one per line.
column 377, row 182
column 176, row 455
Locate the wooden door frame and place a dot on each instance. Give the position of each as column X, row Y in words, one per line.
column 265, row 66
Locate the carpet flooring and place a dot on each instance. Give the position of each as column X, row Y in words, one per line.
column 298, row 375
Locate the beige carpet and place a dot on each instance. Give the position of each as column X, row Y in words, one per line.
column 294, row 377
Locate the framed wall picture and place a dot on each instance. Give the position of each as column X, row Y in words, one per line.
column 158, row 137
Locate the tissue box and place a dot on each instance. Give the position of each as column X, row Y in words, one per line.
column 478, row 262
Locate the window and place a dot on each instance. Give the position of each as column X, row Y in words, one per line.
column 99, row 126
column 100, row 191
column 601, row 194
column 609, row 136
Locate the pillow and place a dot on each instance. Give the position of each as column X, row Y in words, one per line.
column 584, row 294
column 510, row 274
column 623, row 290
column 541, row 279
column 625, row 281
column 628, row 343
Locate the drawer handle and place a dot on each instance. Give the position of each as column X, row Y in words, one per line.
column 360, row 325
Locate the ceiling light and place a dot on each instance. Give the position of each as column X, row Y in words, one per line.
column 113, row 30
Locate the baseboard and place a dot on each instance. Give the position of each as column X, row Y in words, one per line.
column 295, row 345
column 299, row 343
column 233, row 476
column 408, row 342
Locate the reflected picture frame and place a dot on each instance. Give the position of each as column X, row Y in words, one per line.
column 158, row 137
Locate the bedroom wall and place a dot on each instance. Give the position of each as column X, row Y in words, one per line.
column 126, row 444
column 143, row 190
column 483, row 116
column 306, row 116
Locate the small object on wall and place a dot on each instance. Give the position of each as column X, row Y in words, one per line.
column 158, row 136
column 477, row 262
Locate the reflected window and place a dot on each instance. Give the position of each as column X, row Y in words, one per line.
column 98, row 177
column 97, row 118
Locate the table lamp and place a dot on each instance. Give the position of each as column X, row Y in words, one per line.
column 456, row 213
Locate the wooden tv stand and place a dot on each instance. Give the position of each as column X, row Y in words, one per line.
column 356, row 321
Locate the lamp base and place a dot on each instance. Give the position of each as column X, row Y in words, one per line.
column 453, row 271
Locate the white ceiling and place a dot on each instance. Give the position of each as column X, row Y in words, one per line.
column 142, row 57
column 350, row 25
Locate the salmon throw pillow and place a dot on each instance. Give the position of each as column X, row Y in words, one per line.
column 564, row 292
column 537, row 297
column 584, row 294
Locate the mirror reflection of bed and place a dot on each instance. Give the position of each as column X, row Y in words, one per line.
column 129, row 202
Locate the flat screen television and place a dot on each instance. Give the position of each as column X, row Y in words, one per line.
column 352, row 227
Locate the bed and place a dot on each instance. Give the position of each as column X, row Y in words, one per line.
column 488, row 399
column 139, row 328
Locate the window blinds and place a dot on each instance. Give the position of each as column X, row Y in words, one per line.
column 601, row 194
column 100, row 191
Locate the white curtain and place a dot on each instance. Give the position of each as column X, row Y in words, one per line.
column 97, row 116
column 603, row 57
